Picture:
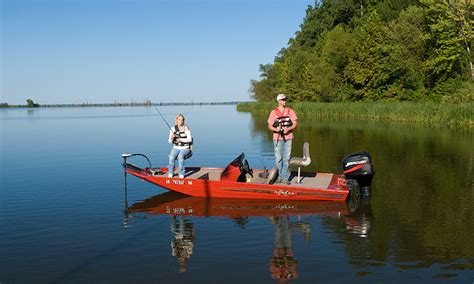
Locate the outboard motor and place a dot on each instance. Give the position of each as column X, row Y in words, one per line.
column 358, row 166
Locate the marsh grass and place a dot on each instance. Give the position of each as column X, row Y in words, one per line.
column 459, row 115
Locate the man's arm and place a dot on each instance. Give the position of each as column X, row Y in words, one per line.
column 288, row 129
column 274, row 129
column 294, row 119
column 270, row 121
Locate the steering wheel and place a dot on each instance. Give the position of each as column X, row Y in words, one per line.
column 246, row 168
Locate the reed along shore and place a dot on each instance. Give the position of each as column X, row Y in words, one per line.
column 446, row 114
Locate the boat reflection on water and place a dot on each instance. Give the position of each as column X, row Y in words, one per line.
column 176, row 204
column 283, row 264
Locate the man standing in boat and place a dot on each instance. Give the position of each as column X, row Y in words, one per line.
column 281, row 121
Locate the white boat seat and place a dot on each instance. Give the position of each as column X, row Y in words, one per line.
column 294, row 161
column 303, row 161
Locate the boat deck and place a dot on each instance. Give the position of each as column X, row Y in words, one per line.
column 314, row 180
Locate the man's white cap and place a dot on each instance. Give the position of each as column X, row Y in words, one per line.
column 281, row 97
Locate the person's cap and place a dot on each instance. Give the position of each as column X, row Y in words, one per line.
column 281, row 97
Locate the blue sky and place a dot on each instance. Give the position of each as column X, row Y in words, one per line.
column 75, row 51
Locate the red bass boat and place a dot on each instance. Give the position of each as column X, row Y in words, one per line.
column 238, row 180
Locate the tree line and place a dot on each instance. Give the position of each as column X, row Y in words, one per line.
column 367, row 50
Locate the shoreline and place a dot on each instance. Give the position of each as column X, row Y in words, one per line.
column 122, row 104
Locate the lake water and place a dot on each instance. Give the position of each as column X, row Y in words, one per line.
column 65, row 216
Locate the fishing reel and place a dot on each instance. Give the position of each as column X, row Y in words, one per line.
column 175, row 138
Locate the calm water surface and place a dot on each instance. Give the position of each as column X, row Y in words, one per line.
column 66, row 218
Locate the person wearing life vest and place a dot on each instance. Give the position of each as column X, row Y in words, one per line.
column 281, row 121
column 180, row 137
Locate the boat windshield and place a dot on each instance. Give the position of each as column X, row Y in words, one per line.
column 237, row 169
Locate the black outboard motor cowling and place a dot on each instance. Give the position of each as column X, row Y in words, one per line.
column 358, row 166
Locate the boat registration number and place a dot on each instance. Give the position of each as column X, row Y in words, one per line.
column 179, row 182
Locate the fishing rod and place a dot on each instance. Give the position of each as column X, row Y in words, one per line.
column 172, row 129
column 162, row 117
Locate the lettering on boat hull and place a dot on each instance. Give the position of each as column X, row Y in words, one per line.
column 178, row 182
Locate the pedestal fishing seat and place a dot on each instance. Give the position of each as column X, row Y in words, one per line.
column 294, row 161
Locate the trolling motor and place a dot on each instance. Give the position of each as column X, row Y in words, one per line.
column 358, row 167
column 130, row 166
column 126, row 156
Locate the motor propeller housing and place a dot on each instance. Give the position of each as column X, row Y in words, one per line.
column 358, row 166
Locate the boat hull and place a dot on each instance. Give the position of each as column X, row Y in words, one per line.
column 336, row 190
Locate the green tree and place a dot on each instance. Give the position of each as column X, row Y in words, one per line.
column 291, row 71
column 462, row 13
column 447, row 40
column 390, row 9
column 30, row 103
column 269, row 84
column 406, row 46
column 349, row 50
column 368, row 70
column 335, row 52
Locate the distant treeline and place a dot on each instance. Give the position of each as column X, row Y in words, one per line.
column 5, row 105
column 365, row 50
